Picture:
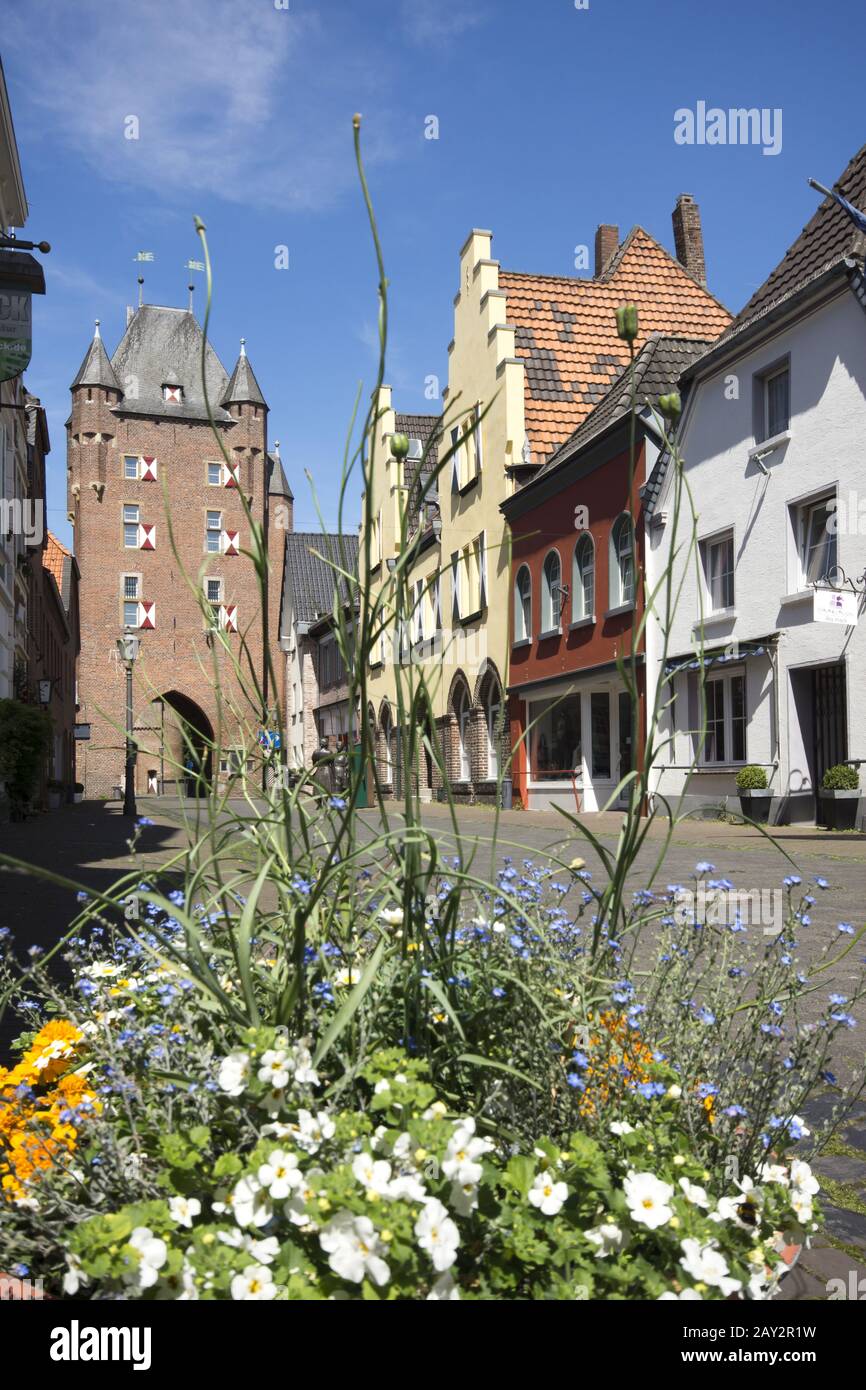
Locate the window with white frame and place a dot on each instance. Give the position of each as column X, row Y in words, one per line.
column 583, row 579
column 214, row 593
column 214, row 474
column 213, row 532
column 726, row 718
column 551, row 589
column 131, row 585
column 816, row 523
column 491, row 703
column 622, row 562
column 717, row 555
column 775, row 402
column 131, row 519
column 466, row 444
column 523, row 605
column 130, row 467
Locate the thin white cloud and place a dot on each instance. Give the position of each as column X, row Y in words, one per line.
column 235, row 99
column 428, row 22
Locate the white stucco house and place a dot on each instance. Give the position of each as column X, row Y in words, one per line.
column 773, row 433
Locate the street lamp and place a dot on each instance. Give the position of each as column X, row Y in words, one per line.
column 127, row 650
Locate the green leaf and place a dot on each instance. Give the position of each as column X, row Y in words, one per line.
column 348, row 1010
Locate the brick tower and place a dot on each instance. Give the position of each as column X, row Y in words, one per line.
column 141, row 451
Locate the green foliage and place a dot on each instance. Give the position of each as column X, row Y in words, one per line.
column 25, row 738
column 751, row 778
column 841, row 778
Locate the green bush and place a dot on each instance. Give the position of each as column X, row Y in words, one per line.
column 751, row 778
column 25, row 738
column 841, row 778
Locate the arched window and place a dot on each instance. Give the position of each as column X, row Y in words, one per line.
column 523, row 605
column 461, row 710
column 551, row 588
column 386, row 744
column 491, row 703
column 621, row 562
column 583, row 579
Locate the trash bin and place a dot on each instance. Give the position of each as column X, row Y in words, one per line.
column 506, row 794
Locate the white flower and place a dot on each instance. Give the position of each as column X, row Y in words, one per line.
column 444, row 1291
column 648, row 1199
column 184, row 1209
column 621, row 1127
column 255, row 1285
column 265, row 1251
column 275, row 1069
column 694, row 1194
column 464, row 1198
column 354, row 1249
column 407, row 1187
column 280, row 1175
column 74, row 1277
column 803, row 1178
column 773, row 1172
column 234, row 1073
column 607, row 1238
column 347, row 975
column 313, row 1130
column 383, row 1084
column 391, row 916
column 801, row 1205
column 460, row 1162
column 707, row 1265
column 547, row 1195
column 373, row 1173
column 305, row 1073
column 250, row 1204
column 101, row 970
column 674, row 1092
column 437, row 1235
column 687, row 1295
column 152, row 1255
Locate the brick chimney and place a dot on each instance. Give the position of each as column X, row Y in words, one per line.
column 606, row 246
column 688, row 237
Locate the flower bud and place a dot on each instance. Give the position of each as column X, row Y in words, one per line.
column 627, row 322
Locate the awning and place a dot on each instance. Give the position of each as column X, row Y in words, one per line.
column 729, row 655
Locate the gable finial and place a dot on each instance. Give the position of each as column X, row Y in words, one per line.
column 96, row 328
column 190, row 287
column 243, row 347
column 140, row 290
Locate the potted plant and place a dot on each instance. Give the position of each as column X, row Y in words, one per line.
column 839, row 797
column 78, row 791
column 55, row 793
column 755, row 799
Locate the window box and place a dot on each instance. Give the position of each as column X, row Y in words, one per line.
column 521, row 642
column 619, row 609
column 582, row 622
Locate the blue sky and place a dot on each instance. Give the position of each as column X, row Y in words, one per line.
column 551, row 120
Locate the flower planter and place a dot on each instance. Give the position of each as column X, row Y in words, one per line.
column 54, row 800
column 838, row 810
column 77, row 796
column 755, row 805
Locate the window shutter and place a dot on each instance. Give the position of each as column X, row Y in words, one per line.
column 147, row 615
column 229, row 616
column 230, row 543
column 148, row 469
column 230, row 477
column 146, row 537
column 482, row 569
column 455, row 584
column 455, row 460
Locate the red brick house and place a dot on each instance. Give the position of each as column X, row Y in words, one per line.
column 53, row 650
column 578, row 550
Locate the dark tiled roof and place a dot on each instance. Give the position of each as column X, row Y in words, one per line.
column 566, row 330
column 829, row 236
column 163, row 345
column 243, row 387
column 310, row 581
column 658, row 367
column 96, row 370
column 427, row 428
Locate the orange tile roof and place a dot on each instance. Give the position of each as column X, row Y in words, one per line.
column 52, row 558
column 566, row 330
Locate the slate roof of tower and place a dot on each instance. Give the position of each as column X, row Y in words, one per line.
column 96, row 370
column 566, row 330
column 278, row 483
column 658, row 367
column 310, row 582
column 243, row 386
column 163, row 345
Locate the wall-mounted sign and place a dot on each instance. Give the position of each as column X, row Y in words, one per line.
column 835, row 606
column 16, row 332
column 82, row 732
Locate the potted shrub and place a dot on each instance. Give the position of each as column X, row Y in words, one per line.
column 78, row 791
column 55, row 794
column 755, row 798
column 839, row 797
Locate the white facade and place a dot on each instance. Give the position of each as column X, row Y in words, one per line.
column 789, row 691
